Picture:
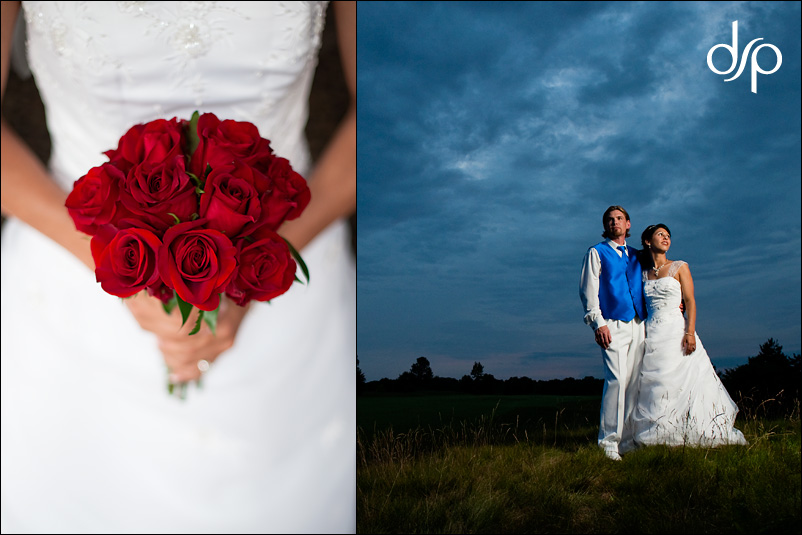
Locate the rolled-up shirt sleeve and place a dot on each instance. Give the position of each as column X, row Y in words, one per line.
column 589, row 289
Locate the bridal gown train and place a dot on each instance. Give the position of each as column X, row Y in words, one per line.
column 91, row 441
column 681, row 399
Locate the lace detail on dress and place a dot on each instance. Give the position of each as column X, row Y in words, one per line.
column 129, row 62
column 81, row 52
column 675, row 267
column 184, row 31
column 663, row 295
column 187, row 30
column 672, row 270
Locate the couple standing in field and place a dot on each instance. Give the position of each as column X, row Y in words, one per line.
column 659, row 384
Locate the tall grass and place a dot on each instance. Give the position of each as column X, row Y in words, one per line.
column 491, row 476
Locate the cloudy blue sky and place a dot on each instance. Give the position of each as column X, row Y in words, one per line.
column 492, row 137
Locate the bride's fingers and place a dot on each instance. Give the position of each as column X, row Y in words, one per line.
column 184, row 374
column 180, row 351
column 185, row 368
column 182, row 357
column 149, row 313
column 171, row 327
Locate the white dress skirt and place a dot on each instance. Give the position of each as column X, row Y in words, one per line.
column 91, row 440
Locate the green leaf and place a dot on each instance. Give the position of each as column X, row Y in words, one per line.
column 170, row 305
column 299, row 260
column 177, row 221
column 197, row 326
column 170, row 387
column 193, row 140
column 211, row 319
column 185, row 309
column 199, row 191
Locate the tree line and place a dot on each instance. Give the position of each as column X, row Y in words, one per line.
column 768, row 382
column 420, row 377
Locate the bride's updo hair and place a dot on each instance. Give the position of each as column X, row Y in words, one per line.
column 644, row 256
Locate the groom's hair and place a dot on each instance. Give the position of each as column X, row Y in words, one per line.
column 604, row 219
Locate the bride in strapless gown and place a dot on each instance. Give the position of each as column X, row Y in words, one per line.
column 91, row 440
column 681, row 400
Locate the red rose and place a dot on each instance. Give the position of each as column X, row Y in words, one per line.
column 125, row 260
column 152, row 193
column 92, row 201
column 288, row 197
column 222, row 142
column 153, row 143
column 267, row 269
column 230, row 198
column 198, row 263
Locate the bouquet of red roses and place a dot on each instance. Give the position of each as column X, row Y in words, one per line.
column 188, row 210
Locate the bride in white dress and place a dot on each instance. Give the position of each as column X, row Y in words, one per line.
column 91, row 440
column 681, row 400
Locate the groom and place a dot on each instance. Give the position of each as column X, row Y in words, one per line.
column 611, row 289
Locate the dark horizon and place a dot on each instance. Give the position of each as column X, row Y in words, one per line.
column 741, row 361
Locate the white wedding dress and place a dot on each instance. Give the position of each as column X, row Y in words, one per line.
column 681, row 400
column 91, row 441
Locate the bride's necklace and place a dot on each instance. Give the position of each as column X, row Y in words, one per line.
column 656, row 269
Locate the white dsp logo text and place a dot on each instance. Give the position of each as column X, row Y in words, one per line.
column 755, row 68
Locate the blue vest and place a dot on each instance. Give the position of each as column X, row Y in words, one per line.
column 620, row 284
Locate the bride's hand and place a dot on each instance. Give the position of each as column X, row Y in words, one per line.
column 688, row 344
column 182, row 352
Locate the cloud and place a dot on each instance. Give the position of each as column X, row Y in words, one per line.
column 493, row 135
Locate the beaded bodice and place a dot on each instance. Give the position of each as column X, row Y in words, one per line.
column 663, row 295
column 102, row 67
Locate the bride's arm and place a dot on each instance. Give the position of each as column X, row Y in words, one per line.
column 28, row 191
column 686, row 281
column 333, row 182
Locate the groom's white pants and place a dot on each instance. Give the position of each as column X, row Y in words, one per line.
column 622, row 366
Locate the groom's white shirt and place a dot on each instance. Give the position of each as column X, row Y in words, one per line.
column 589, row 285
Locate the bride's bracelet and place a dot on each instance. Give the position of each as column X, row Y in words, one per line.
column 689, row 333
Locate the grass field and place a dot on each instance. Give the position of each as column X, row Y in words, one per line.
column 410, row 411
column 529, row 464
